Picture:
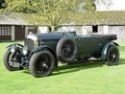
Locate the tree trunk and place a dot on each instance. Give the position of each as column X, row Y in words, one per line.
column 53, row 28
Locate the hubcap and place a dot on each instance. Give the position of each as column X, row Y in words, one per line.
column 43, row 64
column 68, row 49
column 113, row 56
column 13, row 61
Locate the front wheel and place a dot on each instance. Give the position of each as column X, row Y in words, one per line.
column 112, row 57
column 42, row 64
column 11, row 61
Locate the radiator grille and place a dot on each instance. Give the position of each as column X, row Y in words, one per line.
column 29, row 44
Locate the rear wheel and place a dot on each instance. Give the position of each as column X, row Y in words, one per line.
column 42, row 64
column 112, row 57
column 12, row 61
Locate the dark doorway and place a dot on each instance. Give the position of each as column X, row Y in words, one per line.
column 95, row 29
column 19, row 32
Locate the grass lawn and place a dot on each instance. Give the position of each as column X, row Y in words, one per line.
column 90, row 78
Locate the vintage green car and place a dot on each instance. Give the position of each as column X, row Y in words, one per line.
column 41, row 52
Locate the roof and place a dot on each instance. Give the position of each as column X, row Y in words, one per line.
column 86, row 18
column 11, row 19
column 101, row 18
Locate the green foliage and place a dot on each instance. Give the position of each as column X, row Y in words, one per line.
column 20, row 6
column 2, row 4
column 54, row 12
column 90, row 6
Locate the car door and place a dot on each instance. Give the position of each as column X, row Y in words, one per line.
column 87, row 45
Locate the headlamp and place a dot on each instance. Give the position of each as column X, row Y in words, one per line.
column 13, row 50
column 25, row 51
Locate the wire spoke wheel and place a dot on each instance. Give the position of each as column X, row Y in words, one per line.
column 12, row 61
column 67, row 49
column 42, row 64
column 112, row 56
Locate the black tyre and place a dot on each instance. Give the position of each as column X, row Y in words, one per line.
column 42, row 64
column 112, row 57
column 66, row 50
column 10, row 61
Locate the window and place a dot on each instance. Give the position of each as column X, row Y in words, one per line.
column 5, row 30
column 32, row 29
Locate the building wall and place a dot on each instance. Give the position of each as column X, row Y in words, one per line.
column 7, row 31
column 43, row 29
column 118, row 30
column 78, row 29
column 15, row 32
column 29, row 29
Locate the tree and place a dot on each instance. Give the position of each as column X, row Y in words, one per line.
column 2, row 4
column 57, row 11
column 90, row 5
column 60, row 12
column 54, row 11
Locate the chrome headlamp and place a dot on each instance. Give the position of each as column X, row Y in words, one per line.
column 25, row 51
column 31, row 41
column 33, row 37
column 13, row 49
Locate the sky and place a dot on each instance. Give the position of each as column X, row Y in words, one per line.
column 110, row 5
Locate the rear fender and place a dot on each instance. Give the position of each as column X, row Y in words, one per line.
column 105, row 49
column 115, row 43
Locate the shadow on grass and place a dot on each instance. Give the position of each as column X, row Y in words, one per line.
column 73, row 67
column 122, row 61
column 64, row 69
column 77, row 67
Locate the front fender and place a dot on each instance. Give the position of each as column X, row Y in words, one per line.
column 45, row 47
column 105, row 49
column 14, row 47
column 42, row 48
